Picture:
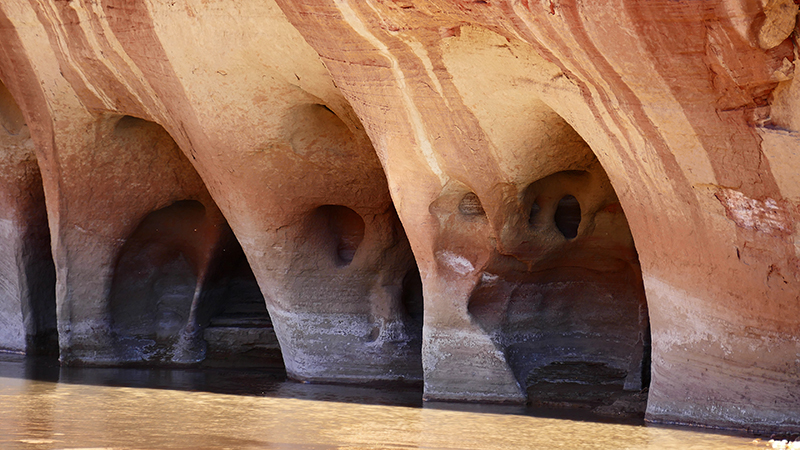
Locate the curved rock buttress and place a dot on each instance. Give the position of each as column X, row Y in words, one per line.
column 103, row 172
column 673, row 98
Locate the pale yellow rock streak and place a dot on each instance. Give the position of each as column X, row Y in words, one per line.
column 422, row 54
column 55, row 21
column 415, row 117
column 113, row 42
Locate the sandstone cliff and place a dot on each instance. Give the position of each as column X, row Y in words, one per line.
column 498, row 198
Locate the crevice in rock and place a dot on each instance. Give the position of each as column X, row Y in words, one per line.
column 40, row 277
column 412, row 302
column 411, row 298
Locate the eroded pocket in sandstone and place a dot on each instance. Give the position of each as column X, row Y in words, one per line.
column 339, row 231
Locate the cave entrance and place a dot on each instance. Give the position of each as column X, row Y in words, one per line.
column 239, row 331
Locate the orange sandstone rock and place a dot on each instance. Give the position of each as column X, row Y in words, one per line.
column 591, row 194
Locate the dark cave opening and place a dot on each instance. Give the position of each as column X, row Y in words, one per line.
column 239, row 332
column 568, row 216
column 182, row 291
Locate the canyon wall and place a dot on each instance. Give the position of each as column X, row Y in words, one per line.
column 553, row 202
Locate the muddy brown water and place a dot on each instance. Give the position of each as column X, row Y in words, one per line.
column 43, row 406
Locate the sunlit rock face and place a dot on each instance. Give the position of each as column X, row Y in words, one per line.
column 552, row 202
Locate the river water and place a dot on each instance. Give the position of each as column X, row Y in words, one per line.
column 45, row 407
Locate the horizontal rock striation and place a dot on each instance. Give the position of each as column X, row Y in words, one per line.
column 555, row 202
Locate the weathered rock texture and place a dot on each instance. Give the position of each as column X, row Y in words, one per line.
column 508, row 136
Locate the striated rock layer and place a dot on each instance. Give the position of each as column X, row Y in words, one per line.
column 554, row 202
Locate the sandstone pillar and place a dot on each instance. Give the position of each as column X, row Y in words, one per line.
column 27, row 278
column 511, row 285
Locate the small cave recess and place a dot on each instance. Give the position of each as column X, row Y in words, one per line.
column 184, row 293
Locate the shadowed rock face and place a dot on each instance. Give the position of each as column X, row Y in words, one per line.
column 316, row 144
column 27, row 278
column 159, row 295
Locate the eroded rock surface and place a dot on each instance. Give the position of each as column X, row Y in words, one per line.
column 556, row 202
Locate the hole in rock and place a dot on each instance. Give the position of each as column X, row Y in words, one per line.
column 27, row 302
column 535, row 208
column 570, row 315
column 568, row 216
column 341, row 229
column 470, row 205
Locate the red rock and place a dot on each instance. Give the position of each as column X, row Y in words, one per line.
column 508, row 136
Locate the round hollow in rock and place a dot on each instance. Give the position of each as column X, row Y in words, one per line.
column 471, row 205
column 568, row 216
column 342, row 228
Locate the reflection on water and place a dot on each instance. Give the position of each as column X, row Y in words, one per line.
column 43, row 407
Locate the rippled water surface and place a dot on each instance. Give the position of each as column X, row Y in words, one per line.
column 43, row 407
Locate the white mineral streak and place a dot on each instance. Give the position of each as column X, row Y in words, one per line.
column 489, row 278
column 411, row 108
column 456, row 263
column 765, row 215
